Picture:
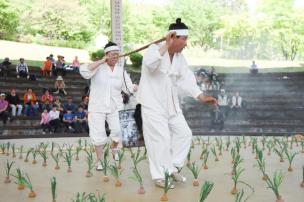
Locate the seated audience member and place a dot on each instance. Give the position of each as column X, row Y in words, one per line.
column 254, row 68
column 223, row 103
column 75, row 65
column 22, row 69
column 54, row 120
column 4, row 67
column 44, row 123
column 85, row 103
column 60, row 86
column 46, row 69
column 213, row 79
column 14, row 103
column 81, row 123
column 236, row 103
column 31, row 105
column 4, row 114
column 69, row 105
column 59, row 106
column 68, row 120
column 60, row 63
column 46, row 100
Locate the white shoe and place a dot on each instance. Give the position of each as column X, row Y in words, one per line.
column 43, row 133
column 99, row 167
column 178, row 177
column 161, row 184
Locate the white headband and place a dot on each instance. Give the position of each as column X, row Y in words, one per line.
column 180, row 32
column 111, row 48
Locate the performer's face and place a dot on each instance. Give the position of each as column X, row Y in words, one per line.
column 180, row 43
column 113, row 55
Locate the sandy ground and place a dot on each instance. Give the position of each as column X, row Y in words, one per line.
column 68, row 184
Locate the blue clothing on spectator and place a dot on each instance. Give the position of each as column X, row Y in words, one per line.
column 80, row 115
column 68, row 106
column 68, row 117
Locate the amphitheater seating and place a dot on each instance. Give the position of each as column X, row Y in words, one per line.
column 274, row 105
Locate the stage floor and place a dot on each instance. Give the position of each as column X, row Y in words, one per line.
column 68, row 184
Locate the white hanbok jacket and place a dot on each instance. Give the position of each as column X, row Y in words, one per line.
column 106, row 86
column 161, row 82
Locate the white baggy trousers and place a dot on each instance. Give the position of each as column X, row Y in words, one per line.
column 96, row 121
column 168, row 140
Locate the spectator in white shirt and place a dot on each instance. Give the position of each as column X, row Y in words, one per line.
column 223, row 102
column 54, row 120
column 236, row 103
column 254, row 68
column 22, row 69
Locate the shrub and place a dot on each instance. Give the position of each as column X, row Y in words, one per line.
column 136, row 59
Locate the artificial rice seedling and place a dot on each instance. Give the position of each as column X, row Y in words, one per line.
column 53, row 188
column 68, row 159
column 90, row 163
column 8, row 167
column 204, row 150
column 195, row 170
column 78, row 149
column 168, row 184
column 105, row 163
column 21, row 152
column 205, row 190
column 116, row 173
column 19, row 177
column 269, row 146
column 137, row 157
column 244, row 142
column 206, row 159
column 261, row 164
column 290, row 156
column 14, row 150
column 302, row 146
column 137, row 177
column 237, row 161
column 56, row 159
column 8, row 145
column 264, row 140
column 280, row 152
column 236, row 180
column 238, row 144
column 29, row 151
column 34, row 154
column 275, row 183
column 27, row 182
column 52, row 147
column 121, row 154
column 44, row 155
column 240, row 196
column 213, row 150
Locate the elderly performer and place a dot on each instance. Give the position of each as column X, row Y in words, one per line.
column 107, row 81
column 165, row 72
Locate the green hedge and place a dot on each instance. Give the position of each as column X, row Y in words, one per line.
column 136, row 59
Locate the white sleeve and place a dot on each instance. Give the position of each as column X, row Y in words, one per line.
column 85, row 72
column 187, row 82
column 26, row 67
column 127, row 86
column 152, row 58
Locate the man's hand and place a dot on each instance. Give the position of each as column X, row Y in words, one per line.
column 168, row 44
column 207, row 99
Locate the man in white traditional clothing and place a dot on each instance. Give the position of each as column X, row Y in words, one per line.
column 167, row 135
column 107, row 81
